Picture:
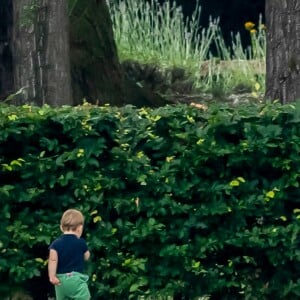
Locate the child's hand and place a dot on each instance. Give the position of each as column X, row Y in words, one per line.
column 54, row 280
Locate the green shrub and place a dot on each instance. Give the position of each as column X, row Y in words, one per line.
column 177, row 200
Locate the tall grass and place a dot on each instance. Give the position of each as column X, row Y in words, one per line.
column 149, row 32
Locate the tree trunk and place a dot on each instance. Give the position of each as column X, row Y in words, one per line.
column 6, row 64
column 41, row 52
column 36, row 60
column 283, row 50
column 96, row 72
column 97, row 75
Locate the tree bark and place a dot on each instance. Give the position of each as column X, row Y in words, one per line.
column 39, row 64
column 96, row 72
column 6, row 64
column 41, row 52
column 283, row 50
column 97, row 75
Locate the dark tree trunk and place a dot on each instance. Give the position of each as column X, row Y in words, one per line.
column 41, row 52
column 36, row 58
column 96, row 72
column 6, row 64
column 283, row 50
column 97, row 75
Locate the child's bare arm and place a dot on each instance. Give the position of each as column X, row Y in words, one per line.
column 52, row 266
column 87, row 255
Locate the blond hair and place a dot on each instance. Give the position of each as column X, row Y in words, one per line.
column 71, row 219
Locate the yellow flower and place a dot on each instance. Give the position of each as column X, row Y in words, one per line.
column 253, row 31
column 249, row 25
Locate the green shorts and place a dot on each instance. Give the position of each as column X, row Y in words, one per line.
column 72, row 286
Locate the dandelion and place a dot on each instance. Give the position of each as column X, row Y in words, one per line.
column 257, row 35
column 249, row 25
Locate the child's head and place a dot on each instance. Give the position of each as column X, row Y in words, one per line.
column 71, row 220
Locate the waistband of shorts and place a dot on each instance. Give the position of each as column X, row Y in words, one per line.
column 69, row 274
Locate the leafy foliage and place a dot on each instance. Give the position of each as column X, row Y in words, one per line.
column 176, row 199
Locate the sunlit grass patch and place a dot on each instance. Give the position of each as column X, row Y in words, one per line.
column 149, row 32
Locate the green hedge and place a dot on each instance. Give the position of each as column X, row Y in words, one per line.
column 178, row 200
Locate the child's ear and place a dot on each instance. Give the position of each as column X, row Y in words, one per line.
column 61, row 228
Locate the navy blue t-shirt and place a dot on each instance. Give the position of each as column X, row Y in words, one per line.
column 70, row 250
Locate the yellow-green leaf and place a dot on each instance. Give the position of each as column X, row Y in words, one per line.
column 12, row 117
column 97, row 219
column 140, row 154
column 39, row 260
column 169, row 158
column 296, row 210
column 94, row 212
column 200, row 141
column 241, row 179
column 234, row 183
column 80, row 152
column 196, row 264
column 270, row 194
column 190, row 119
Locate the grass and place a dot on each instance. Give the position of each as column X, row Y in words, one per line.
column 149, row 32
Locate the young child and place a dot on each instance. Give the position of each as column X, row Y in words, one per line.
column 66, row 259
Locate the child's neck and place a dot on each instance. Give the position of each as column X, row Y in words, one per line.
column 70, row 232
